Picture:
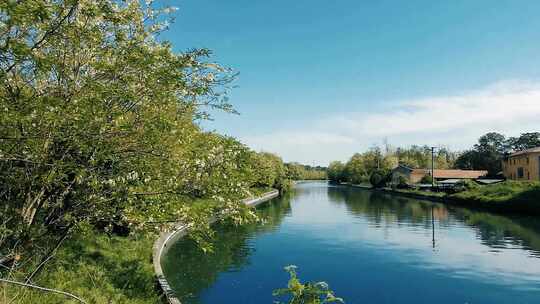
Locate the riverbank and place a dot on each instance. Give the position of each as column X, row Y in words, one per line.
column 178, row 231
column 100, row 268
column 345, row 236
column 507, row 197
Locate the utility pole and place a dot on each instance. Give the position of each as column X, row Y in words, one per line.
column 432, row 167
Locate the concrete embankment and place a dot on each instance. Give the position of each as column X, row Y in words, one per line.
column 179, row 230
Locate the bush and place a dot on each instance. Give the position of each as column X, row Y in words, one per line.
column 465, row 185
column 305, row 293
column 427, row 179
column 509, row 191
column 402, row 182
column 378, row 179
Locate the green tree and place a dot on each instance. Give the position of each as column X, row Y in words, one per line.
column 336, row 171
column 270, row 171
column 524, row 141
column 355, row 169
column 487, row 154
column 379, row 178
column 99, row 124
column 420, row 157
column 295, row 171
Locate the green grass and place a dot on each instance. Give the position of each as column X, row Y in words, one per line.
column 509, row 196
column 419, row 192
column 506, row 192
column 99, row 268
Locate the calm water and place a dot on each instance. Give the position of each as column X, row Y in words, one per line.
column 370, row 247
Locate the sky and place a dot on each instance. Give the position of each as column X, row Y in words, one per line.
column 320, row 80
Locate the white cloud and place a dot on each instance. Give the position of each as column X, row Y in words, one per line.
column 455, row 121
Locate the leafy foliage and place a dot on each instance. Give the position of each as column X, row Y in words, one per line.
column 524, row 141
column 379, row 178
column 336, row 171
column 426, row 179
column 99, row 125
column 296, row 171
column 361, row 166
column 507, row 192
column 420, row 157
column 487, row 154
column 465, row 185
column 306, row 293
column 402, row 182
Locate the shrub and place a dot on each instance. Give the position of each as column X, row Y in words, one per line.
column 378, row 179
column 427, row 179
column 402, row 182
column 306, row 293
column 465, row 185
column 509, row 191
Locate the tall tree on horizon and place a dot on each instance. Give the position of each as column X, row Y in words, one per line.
column 524, row 141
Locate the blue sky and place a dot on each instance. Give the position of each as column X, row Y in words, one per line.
column 320, row 80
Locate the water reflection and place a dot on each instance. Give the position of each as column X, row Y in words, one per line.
column 190, row 270
column 370, row 246
column 470, row 243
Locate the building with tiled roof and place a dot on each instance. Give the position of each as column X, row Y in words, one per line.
column 414, row 176
column 523, row 165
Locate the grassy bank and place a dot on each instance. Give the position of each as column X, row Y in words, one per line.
column 420, row 193
column 507, row 192
column 509, row 196
column 99, row 268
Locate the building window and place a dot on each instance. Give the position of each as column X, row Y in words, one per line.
column 527, row 160
column 520, row 172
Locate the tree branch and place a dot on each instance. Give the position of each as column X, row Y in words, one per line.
column 43, row 289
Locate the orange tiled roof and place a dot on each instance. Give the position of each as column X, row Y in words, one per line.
column 450, row 173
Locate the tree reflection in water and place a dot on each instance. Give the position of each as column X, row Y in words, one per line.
column 494, row 230
column 190, row 270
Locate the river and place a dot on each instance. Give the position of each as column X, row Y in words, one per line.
column 369, row 247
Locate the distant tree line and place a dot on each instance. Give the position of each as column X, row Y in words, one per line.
column 297, row 171
column 378, row 163
column 374, row 165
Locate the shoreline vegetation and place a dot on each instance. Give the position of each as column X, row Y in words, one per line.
column 180, row 230
column 101, row 147
column 505, row 197
column 374, row 168
column 101, row 268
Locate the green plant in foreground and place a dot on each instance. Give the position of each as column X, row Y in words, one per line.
column 306, row 293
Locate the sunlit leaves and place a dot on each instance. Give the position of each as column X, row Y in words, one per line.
column 306, row 293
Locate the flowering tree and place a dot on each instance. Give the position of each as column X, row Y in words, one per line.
column 98, row 124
